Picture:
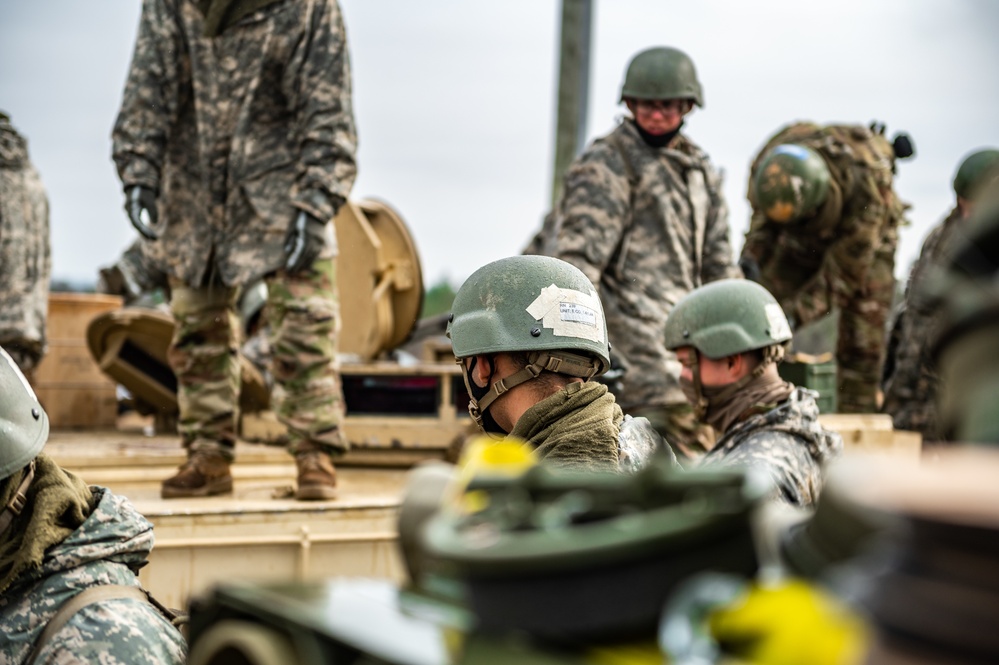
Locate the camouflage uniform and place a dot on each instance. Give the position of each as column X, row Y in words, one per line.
column 107, row 548
column 238, row 133
column 787, row 442
column 646, row 225
column 843, row 256
column 25, row 254
column 911, row 390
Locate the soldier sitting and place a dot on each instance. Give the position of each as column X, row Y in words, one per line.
column 729, row 336
column 69, row 554
column 529, row 333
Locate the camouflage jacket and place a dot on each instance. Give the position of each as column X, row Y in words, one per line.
column 646, row 225
column 108, row 548
column 787, row 442
column 582, row 427
column 25, row 253
column 815, row 264
column 237, row 132
column 911, row 390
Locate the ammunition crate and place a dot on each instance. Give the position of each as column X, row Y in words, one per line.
column 820, row 377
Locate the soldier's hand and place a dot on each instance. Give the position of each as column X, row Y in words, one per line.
column 305, row 240
column 140, row 204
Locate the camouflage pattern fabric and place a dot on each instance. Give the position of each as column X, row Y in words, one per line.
column 581, row 427
column 237, row 133
column 134, row 276
column 108, row 548
column 25, row 253
column 911, row 390
column 646, row 225
column 842, row 256
column 304, row 325
column 787, row 442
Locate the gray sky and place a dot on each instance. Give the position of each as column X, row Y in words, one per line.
column 455, row 103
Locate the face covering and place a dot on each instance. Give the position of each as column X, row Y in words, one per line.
column 484, row 420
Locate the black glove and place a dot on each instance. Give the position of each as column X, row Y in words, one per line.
column 305, row 240
column 750, row 268
column 903, row 146
column 138, row 200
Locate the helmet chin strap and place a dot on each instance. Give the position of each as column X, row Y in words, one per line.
column 18, row 501
column 560, row 362
column 771, row 354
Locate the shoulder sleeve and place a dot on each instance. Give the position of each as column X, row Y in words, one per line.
column 151, row 98
column 594, row 210
column 717, row 262
column 318, row 85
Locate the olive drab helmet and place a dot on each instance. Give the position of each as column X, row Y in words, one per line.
column 24, row 425
column 539, row 305
column 24, row 429
column 662, row 73
column 725, row 318
column 965, row 290
column 979, row 168
column 791, row 181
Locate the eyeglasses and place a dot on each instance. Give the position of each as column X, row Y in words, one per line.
column 664, row 106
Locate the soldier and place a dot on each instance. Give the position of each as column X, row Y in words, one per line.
column 642, row 215
column 529, row 334
column 236, row 130
column 729, row 337
column 964, row 287
column 911, row 390
column 69, row 554
column 25, row 253
column 823, row 235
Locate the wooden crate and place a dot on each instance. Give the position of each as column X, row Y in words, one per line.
column 69, row 384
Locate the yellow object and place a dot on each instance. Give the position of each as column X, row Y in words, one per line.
column 485, row 456
column 788, row 624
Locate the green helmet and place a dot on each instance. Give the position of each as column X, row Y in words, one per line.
column 790, row 182
column 24, row 426
column 725, row 318
column 528, row 303
column 965, row 291
column 535, row 304
column 662, row 73
column 977, row 169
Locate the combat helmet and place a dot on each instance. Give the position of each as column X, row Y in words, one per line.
column 725, row 318
column 977, row 169
column 965, row 346
column 535, row 304
column 790, row 182
column 662, row 73
column 24, row 429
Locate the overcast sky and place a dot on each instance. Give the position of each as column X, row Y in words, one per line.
column 454, row 102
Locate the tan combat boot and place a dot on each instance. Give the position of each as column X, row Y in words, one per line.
column 316, row 476
column 205, row 473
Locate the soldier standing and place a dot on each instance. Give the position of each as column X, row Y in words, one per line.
column 236, row 146
column 823, row 235
column 25, row 252
column 729, row 336
column 911, row 390
column 642, row 215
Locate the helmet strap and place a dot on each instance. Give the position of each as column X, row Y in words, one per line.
column 560, row 362
column 771, row 355
column 17, row 502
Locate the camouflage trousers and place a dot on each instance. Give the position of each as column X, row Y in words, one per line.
column 304, row 320
column 860, row 344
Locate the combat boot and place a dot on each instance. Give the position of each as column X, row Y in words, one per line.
column 316, row 476
column 205, row 473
